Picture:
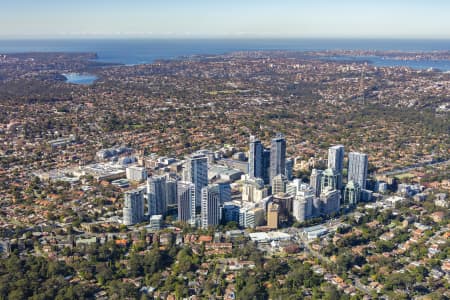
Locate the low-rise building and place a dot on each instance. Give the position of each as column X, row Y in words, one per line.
column 156, row 222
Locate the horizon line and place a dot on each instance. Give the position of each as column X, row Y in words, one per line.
column 25, row 38
column 218, row 37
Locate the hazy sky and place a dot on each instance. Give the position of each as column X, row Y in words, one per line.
column 226, row 18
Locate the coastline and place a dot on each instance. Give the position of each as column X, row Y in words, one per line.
column 132, row 52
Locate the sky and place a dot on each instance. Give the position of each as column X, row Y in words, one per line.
column 226, row 18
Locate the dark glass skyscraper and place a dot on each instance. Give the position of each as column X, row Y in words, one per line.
column 186, row 202
column 255, row 160
column 157, row 202
column 277, row 156
column 289, row 168
column 266, row 166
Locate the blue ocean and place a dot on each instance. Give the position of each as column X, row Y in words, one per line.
column 141, row 51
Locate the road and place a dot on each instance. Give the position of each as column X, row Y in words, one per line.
column 413, row 167
column 315, row 253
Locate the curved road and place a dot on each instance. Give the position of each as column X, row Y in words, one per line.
column 413, row 167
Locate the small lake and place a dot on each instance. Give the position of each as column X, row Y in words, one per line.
column 77, row 78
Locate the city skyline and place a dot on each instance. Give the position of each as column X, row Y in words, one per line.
column 137, row 185
column 209, row 19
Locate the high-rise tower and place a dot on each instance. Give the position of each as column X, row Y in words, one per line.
column 266, row 166
column 196, row 171
column 315, row 181
column 133, row 208
column 255, row 159
column 277, row 156
column 157, row 197
column 336, row 162
column 210, row 206
column 357, row 168
column 186, row 202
